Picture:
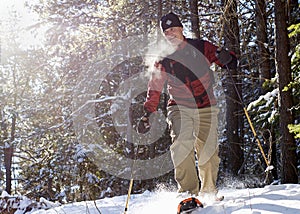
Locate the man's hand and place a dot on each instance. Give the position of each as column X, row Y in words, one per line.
column 143, row 125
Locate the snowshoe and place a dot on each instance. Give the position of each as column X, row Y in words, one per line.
column 189, row 205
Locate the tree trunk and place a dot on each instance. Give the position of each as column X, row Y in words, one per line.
column 262, row 39
column 195, row 18
column 7, row 163
column 264, row 63
column 8, row 154
column 283, row 67
column 231, row 39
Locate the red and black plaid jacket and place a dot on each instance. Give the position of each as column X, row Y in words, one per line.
column 188, row 76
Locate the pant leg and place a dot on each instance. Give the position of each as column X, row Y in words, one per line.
column 209, row 173
column 207, row 149
column 182, row 149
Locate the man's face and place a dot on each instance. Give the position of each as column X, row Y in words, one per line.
column 174, row 35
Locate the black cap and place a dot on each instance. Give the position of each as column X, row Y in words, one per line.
column 170, row 20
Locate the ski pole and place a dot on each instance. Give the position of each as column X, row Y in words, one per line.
column 249, row 120
column 128, row 195
column 131, row 180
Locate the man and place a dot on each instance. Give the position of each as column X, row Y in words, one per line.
column 192, row 111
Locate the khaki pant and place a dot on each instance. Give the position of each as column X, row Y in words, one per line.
column 194, row 131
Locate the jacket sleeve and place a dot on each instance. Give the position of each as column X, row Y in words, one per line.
column 210, row 51
column 155, row 87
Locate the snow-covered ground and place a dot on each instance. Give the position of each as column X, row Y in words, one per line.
column 270, row 199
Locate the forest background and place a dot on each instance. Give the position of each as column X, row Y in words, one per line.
column 90, row 48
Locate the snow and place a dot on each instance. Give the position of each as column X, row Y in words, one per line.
column 4, row 194
column 267, row 97
column 270, row 199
